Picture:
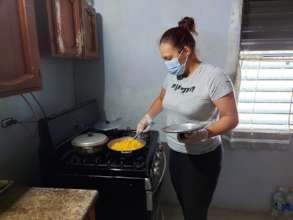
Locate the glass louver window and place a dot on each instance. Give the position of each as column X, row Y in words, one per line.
column 266, row 91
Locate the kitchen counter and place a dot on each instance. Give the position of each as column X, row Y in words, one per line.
column 47, row 204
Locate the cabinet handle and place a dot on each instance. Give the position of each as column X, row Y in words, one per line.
column 77, row 30
column 78, row 41
column 60, row 41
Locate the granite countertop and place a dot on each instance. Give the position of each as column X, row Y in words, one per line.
column 46, row 204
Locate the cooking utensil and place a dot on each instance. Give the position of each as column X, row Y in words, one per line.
column 136, row 135
column 182, row 128
column 90, row 142
column 114, row 141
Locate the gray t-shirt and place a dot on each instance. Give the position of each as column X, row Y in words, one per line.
column 190, row 100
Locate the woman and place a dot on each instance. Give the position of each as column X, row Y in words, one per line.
column 199, row 93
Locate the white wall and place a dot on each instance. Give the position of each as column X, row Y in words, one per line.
column 132, row 29
column 134, row 73
column 250, row 176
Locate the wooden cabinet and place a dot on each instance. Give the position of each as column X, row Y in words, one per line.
column 19, row 52
column 89, row 24
column 67, row 28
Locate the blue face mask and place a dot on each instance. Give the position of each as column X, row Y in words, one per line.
column 174, row 67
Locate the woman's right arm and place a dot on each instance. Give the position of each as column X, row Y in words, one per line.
column 155, row 108
column 157, row 105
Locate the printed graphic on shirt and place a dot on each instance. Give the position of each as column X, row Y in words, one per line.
column 177, row 87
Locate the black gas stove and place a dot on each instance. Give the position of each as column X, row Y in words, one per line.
column 107, row 162
column 128, row 184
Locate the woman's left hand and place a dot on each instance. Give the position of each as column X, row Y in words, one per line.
column 194, row 137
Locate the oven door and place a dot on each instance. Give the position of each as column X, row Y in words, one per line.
column 119, row 198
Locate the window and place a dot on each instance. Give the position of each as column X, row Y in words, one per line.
column 266, row 91
column 266, row 66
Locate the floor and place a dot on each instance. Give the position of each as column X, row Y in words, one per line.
column 174, row 213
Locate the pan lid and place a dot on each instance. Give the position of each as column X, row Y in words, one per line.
column 89, row 139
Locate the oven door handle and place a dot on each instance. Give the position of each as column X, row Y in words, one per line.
column 151, row 191
column 162, row 174
column 149, row 200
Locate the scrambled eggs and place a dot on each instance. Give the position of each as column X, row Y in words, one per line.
column 127, row 144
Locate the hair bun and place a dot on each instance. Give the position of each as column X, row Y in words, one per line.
column 187, row 23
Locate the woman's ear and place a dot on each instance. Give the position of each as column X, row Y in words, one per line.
column 187, row 50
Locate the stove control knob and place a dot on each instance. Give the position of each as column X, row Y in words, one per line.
column 158, row 154
column 157, row 163
column 156, row 171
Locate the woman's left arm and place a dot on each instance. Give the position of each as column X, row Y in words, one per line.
column 228, row 120
column 228, row 115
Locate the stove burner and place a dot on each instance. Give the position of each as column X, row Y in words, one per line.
column 108, row 161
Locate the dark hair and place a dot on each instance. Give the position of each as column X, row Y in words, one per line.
column 180, row 36
column 187, row 23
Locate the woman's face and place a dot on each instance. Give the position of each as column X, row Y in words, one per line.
column 168, row 52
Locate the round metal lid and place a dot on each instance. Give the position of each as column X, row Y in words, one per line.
column 89, row 139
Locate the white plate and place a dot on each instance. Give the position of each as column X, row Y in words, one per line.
column 182, row 128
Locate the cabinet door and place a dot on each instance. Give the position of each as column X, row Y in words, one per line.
column 66, row 22
column 90, row 31
column 19, row 53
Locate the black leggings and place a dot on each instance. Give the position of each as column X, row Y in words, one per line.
column 194, row 178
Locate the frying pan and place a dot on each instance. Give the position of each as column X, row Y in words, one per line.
column 112, row 142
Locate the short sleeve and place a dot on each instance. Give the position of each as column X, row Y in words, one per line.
column 220, row 85
column 165, row 82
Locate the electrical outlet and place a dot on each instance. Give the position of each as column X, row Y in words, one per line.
column 6, row 122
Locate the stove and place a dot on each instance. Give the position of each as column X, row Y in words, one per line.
column 128, row 184
column 133, row 164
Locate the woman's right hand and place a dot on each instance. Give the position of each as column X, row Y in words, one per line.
column 144, row 124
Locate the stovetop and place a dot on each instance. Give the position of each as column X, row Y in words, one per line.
column 107, row 162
